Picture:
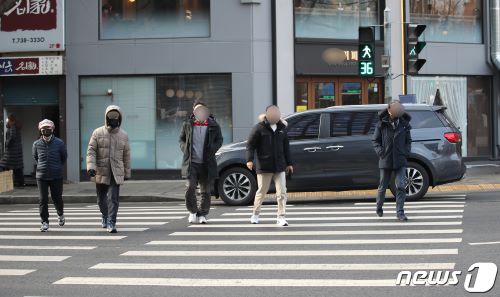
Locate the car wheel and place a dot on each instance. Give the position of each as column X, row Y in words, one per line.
column 417, row 182
column 237, row 186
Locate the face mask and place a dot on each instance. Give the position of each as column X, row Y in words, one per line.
column 113, row 123
column 46, row 132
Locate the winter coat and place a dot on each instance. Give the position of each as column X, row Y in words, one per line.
column 108, row 152
column 213, row 142
column 392, row 146
column 13, row 155
column 50, row 158
column 272, row 147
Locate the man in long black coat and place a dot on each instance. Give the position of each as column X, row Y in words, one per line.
column 392, row 143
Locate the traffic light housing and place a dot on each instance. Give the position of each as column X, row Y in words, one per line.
column 413, row 47
column 366, row 51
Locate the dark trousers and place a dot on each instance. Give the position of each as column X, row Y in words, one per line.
column 56, row 190
column 198, row 173
column 18, row 177
column 385, row 179
column 108, row 197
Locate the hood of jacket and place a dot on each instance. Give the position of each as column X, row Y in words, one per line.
column 113, row 108
column 262, row 119
column 386, row 118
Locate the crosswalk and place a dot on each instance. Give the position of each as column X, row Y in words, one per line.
column 343, row 245
column 22, row 242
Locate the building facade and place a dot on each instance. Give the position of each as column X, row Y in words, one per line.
column 154, row 58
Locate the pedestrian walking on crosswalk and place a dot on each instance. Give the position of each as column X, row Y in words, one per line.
column 50, row 155
column 108, row 164
column 200, row 139
column 392, row 144
column 270, row 140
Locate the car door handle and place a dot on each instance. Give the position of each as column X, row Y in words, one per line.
column 312, row 149
column 334, row 147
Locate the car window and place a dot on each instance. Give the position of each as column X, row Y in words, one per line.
column 304, row 126
column 424, row 119
column 352, row 123
column 445, row 119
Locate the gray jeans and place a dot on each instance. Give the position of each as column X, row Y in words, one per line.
column 108, row 200
column 385, row 179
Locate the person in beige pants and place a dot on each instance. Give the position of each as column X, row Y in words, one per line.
column 269, row 140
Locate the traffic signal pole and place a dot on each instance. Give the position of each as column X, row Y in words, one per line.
column 387, row 53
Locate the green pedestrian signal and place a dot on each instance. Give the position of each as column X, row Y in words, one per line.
column 366, row 51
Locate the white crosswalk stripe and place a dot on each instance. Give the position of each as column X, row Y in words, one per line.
column 355, row 247
column 21, row 240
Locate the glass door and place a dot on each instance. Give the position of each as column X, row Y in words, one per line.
column 351, row 92
column 324, row 94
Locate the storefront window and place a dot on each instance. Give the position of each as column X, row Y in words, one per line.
column 124, row 19
column 449, row 20
column 175, row 95
column 154, row 109
column 468, row 102
column 136, row 98
column 334, row 19
column 478, row 116
column 324, row 94
column 301, row 96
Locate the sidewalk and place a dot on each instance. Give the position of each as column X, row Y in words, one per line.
column 481, row 176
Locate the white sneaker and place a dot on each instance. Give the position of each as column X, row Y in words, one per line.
column 254, row 219
column 192, row 219
column 202, row 220
column 44, row 227
column 281, row 221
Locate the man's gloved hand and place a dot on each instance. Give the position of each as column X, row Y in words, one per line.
column 126, row 178
column 91, row 172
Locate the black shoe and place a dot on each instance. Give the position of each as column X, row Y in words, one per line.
column 402, row 217
column 380, row 212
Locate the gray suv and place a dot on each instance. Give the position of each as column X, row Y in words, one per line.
column 332, row 151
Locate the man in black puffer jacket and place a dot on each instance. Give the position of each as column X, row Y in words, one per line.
column 50, row 155
column 269, row 139
column 392, row 144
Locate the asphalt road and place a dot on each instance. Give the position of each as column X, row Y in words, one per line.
column 331, row 248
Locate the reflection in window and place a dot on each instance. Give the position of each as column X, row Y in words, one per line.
column 304, row 126
column 351, row 93
column 335, row 19
column 126, row 19
column 424, row 119
column 324, row 95
column 478, row 116
column 449, row 20
column 175, row 95
column 352, row 123
column 301, row 96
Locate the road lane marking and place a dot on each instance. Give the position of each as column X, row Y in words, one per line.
column 309, row 225
column 41, row 247
column 321, row 233
column 306, row 242
column 17, row 258
column 288, row 253
column 221, row 282
column 15, row 272
column 60, row 237
column 275, row 266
